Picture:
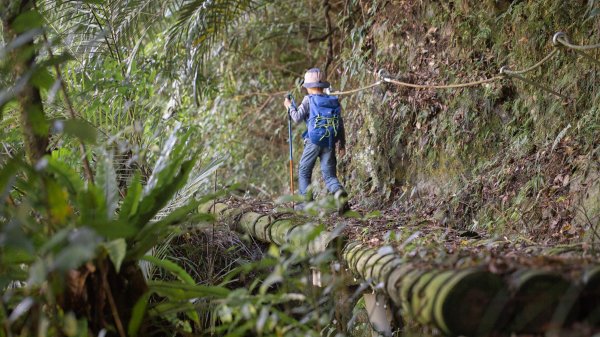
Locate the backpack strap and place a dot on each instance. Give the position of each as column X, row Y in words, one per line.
column 327, row 122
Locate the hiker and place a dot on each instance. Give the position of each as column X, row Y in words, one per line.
column 321, row 113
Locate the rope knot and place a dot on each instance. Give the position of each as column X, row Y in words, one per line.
column 559, row 36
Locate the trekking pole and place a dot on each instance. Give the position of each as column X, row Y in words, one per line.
column 290, row 97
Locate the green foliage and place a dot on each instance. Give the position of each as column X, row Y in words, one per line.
column 129, row 93
column 48, row 235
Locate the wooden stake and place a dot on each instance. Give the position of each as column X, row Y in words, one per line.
column 379, row 313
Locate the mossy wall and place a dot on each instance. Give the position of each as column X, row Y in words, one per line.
column 494, row 156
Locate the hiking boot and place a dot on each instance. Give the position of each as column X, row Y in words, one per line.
column 341, row 201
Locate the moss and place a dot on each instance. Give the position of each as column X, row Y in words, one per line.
column 450, row 139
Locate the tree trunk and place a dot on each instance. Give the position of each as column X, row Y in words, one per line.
column 34, row 125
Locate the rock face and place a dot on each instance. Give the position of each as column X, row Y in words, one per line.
column 468, row 301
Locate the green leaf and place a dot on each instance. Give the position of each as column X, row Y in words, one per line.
column 241, row 330
column 92, row 206
column 27, row 20
column 77, row 128
column 152, row 233
column 55, row 240
column 37, row 273
column 592, row 14
column 42, row 79
column 57, row 60
column 82, row 244
column 171, row 267
column 21, row 309
column 15, row 256
column 315, row 232
column 7, row 102
column 167, row 186
column 137, row 315
column 66, row 175
column 353, row 215
column 275, row 277
column 201, row 218
column 168, row 308
column 114, row 229
column 182, row 291
column 73, row 257
column 58, row 202
column 116, row 250
column 106, row 179
column 373, row 215
column 38, row 120
column 132, row 200
column 7, row 174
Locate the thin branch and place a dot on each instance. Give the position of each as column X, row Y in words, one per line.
column 102, row 29
column 322, row 38
column 327, row 7
column 260, row 109
column 114, row 38
column 111, row 301
column 86, row 164
column 10, row 200
column 116, row 54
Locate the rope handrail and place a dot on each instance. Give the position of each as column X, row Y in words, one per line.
column 506, row 70
column 559, row 38
column 418, row 86
column 339, row 93
column 442, row 86
column 562, row 38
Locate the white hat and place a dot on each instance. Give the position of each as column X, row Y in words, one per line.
column 314, row 79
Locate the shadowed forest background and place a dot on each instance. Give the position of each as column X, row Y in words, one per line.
column 120, row 119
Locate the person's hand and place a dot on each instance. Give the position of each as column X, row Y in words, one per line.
column 342, row 152
column 287, row 103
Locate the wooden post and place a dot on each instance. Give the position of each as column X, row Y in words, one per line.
column 316, row 277
column 379, row 313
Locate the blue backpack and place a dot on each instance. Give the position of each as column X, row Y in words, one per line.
column 324, row 120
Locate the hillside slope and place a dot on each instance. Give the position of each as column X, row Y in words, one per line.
column 504, row 157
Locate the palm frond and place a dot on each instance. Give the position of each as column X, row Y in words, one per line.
column 199, row 177
column 200, row 24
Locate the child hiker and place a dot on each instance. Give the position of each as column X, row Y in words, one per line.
column 321, row 113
